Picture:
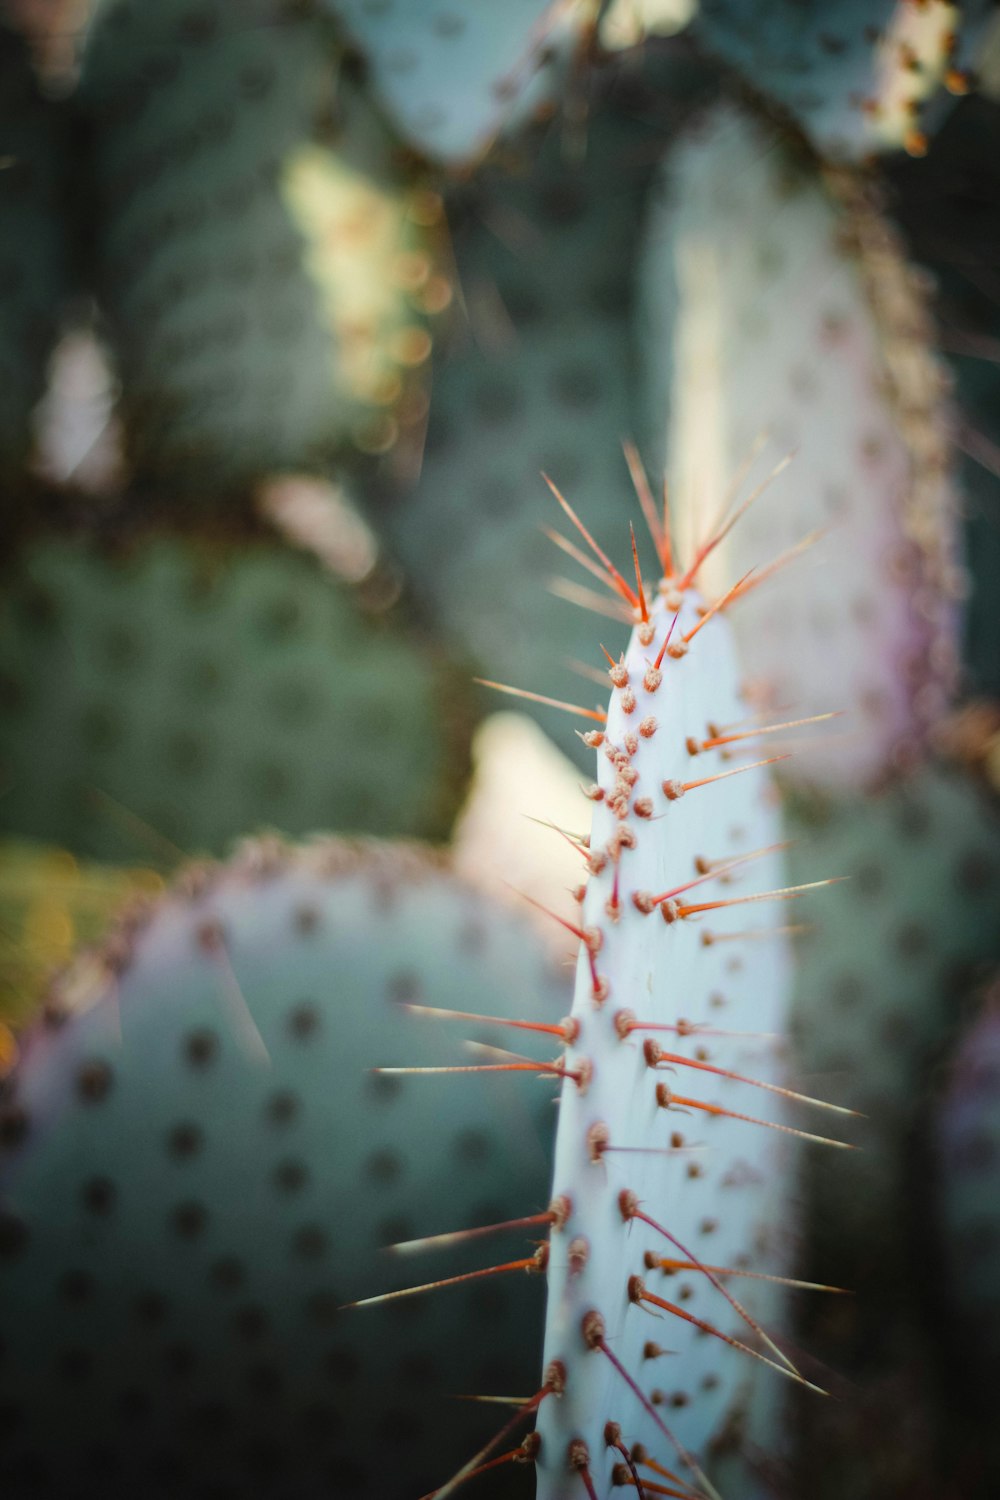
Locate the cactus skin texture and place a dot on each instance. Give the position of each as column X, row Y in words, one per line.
column 720, row 1201
column 154, row 693
column 776, row 302
column 199, row 1166
column 671, row 1072
column 854, row 76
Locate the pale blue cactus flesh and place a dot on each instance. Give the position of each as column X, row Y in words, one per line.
column 200, row 1166
column 713, row 1182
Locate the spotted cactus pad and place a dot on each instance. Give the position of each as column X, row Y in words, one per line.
column 778, row 321
column 199, row 1167
column 261, row 265
column 855, row 76
column 672, row 1169
column 157, row 700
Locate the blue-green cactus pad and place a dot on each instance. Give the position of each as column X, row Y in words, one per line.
column 200, row 1167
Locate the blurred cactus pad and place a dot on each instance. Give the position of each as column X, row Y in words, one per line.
column 199, row 1166
column 161, row 699
column 259, row 260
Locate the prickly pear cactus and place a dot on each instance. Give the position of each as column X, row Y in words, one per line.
column 656, row 960
column 856, row 77
column 779, row 322
column 452, row 79
column 671, row 1169
column 199, row 1166
column 153, row 696
column 260, row 264
column 882, row 978
column 966, row 1150
column 35, row 271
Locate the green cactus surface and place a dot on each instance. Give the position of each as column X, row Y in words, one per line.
column 200, row 1166
column 160, row 700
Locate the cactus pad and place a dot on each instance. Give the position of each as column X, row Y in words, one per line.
column 777, row 307
column 257, row 252
column 199, row 1167
column 159, row 701
column 712, row 1181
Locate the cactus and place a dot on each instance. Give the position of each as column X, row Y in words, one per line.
column 665, row 992
column 35, row 270
column 199, row 1166
column 153, row 696
column 856, row 78
column 776, row 304
column 453, row 79
column 260, row 264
